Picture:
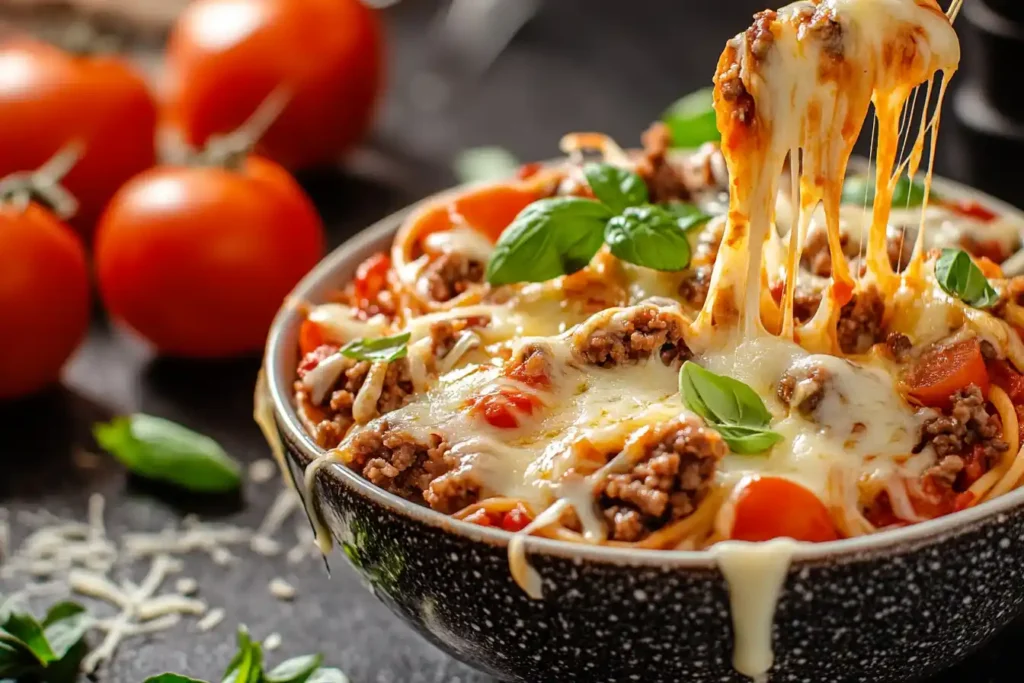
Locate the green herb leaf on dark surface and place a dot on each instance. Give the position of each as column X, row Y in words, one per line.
column 162, row 450
column 295, row 670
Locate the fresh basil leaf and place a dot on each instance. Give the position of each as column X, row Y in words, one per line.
column 23, row 629
column 327, row 675
column 729, row 406
column 908, row 193
column 688, row 216
column 648, row 236
column 65, row 625
column 162, row 450
column 295, row 670
column 705, row 397
column 692, row 119
column 480, row 164
column 617, row 188
column 249, row 667
column 16, row 659
column 379, row 350
column 172, row 678
column 959, row 276
column 747, row 440
column 549, row 238
column 244, row 650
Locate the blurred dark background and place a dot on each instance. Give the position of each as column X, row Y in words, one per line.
column 520, row 73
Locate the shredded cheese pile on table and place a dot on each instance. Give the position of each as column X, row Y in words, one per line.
column 61, row 557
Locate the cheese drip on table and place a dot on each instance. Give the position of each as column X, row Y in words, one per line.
column 797, row 86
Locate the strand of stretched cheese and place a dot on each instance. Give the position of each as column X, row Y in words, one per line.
column 799, row 83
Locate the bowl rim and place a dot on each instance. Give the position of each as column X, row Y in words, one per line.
column 280, row 378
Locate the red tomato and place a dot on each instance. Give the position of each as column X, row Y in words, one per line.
column 44, row 298
column 225, row 57
column 50, row 98
column 773, row 507
column 1009, row 380
column 941, row 372
column 492, row 208
column 371, row 278
column 500, row 408
column 516, row 519
column 198, row 259
column 972, row 209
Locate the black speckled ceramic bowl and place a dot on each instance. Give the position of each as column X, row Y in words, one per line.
column 895, row 606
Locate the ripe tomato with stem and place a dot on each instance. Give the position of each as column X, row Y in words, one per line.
column 197, row 257
column 44, row 278
column 50, row 97
column 225, row 56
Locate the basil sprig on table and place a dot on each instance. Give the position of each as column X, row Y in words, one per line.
column 908, row 193
column 247, row 667
column 730, row 406
column 560, row 235
column 159, row 449
column 379, row 350
column 49, row 650
column 959, row 276
column 692, row 120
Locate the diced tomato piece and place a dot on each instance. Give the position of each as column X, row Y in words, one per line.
column 1007, row 379
column 371, row 277
column 773, row 507
column 941, row 372
column 491, row 209
column 988, row 267
column 313, row 358
column 963, row 501
column 310, row 336
column 972, row 209
column 880, row 513
column 516, row 519
column 527, row 171
column 480, row 518
column 533, row 379
column 500, row 408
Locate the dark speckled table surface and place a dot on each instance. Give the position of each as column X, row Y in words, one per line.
column 579, row 65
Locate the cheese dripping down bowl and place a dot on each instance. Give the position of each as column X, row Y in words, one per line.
column 896, row 605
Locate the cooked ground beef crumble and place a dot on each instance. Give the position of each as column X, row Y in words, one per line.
column 647, row 330
column 449, row 275
column 667, row 484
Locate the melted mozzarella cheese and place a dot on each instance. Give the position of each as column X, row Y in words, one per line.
column 528, row 461
column 943, row 227
column 339, row 323
column 862, row 425
column 462, row 240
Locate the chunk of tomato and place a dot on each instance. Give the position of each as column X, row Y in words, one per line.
column 773, row 507
column 371, row 277
column 500, row 409
column 516, row 519
column 938, row 374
